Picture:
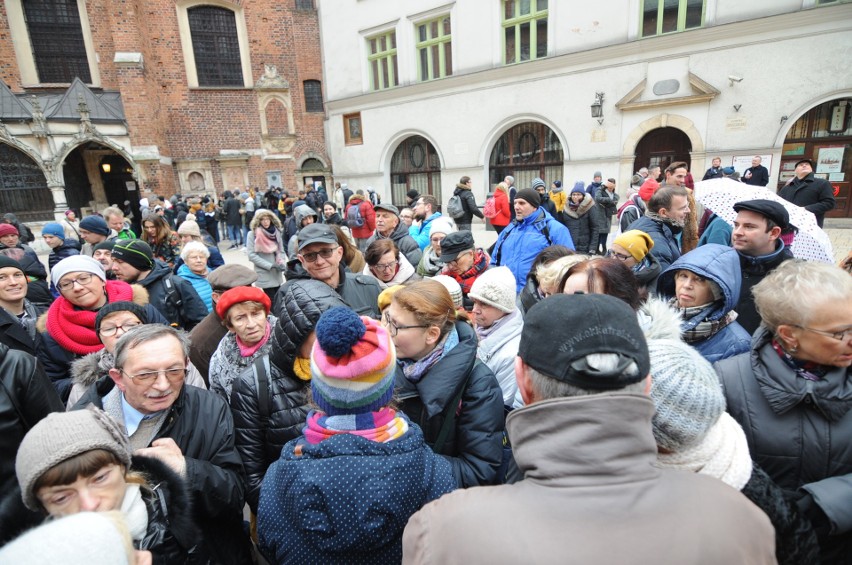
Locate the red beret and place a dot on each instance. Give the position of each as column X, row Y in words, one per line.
column 8, row 229
column 241, row 294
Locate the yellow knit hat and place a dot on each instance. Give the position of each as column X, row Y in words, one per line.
column 637, row 243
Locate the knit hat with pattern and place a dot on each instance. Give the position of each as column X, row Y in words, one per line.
column 686, row 392
column 453, row 287
column 495, row 287
column 353, row 363
column 61, row 436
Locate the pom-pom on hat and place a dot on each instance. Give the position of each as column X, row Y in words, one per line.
column 242, row 294
column 495, row 287
column 59, row 437
column 353, row 363
column 53, row 229
column 686, row 391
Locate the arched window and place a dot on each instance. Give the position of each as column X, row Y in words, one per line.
column 415, row 164
column 23, row 188
column 56, row 37
column 526, row 151
column 312, row 165
column 216, row 46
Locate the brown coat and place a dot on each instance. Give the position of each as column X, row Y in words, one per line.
column 204, row 339
column 591, row 494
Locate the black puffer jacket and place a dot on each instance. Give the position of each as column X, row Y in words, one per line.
column 174, row 297
column 26, row 396
column 201, row 425
column 474, row 445
column 259, row 442
column 172, row 536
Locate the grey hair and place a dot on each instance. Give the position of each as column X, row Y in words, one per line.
column 510, row 177
column 791, row 293
column 547, row 387
column 145, row 333
column 194, row 247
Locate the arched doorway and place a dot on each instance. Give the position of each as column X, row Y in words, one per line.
column 96, row 176
column 526, row 151
column 23, row 186
column 661, row 147
column 415, row 165
column 313, row 173
column 824, row 135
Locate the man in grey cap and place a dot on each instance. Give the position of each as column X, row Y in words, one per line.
column 584, row 442
column 320, row 258
column 388, row 226
column 205, row 337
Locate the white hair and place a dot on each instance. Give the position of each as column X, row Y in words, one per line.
column 194, row 247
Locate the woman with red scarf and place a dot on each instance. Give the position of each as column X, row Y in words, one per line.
column 68, row 327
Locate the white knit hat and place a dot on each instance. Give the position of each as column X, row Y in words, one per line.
column 495, row 287
column 76, row 264
column 442, row 224
column 453, row 286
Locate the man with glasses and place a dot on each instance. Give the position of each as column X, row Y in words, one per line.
column 321, row 258
column 464, row 262
column 145, row 393
column 389, row 226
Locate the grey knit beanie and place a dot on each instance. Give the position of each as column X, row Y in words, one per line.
column 61, row 436
column 686, row 391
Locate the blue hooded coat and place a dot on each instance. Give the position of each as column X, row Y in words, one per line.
column 720, row 264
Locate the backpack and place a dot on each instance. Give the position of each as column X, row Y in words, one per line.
column 455, row 207
column 490, row 208
column 354, row 219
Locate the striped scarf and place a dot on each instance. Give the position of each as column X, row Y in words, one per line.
column 382, row 426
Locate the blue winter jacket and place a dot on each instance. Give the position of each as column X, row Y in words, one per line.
column 720, row 264
column 347, row 499
column 666, row 247
column 421, row 233
column 717, row 231
column 200, row 284
column 521, row 241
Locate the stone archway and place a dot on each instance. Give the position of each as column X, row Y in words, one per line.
column 628, row 152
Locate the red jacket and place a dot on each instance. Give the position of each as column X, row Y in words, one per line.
column 501, row 204
column 367, row 212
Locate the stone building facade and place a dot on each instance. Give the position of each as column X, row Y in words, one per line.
column 103, row 101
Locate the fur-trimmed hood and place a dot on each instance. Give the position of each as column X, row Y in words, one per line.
column 659, row 320
column 89, row 368
column 586, row 204
column 140, row 297
column 262, row 213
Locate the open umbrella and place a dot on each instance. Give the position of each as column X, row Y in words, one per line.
column 720, row 195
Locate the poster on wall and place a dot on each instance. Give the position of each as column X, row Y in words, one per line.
column 830, row 159
column 743, row 162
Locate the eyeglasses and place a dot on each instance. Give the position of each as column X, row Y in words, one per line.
column 613, row 255
column 82, row 280
column 455, row 262
column 109, row 331
column 839, row 336
column 173, row 374
column 386, row 266
column 393, row 327
column 324, row 253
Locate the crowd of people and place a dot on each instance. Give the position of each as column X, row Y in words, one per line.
column 669, row 390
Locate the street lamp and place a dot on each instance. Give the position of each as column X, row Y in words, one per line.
column 597, row 107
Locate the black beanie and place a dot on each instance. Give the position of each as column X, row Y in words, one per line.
column 530, row 196
column 121, row 306
column 9, row 262
column 135, row 252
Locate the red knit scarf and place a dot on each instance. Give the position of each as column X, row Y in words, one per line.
column 73, row 329
column 467, row 278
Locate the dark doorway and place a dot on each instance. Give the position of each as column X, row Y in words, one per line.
column 661, row 147
column 78, row 189
column 115, row 180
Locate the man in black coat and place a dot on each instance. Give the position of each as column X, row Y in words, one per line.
column 463, row 191
column 233, row 219
column 813, row 194
column 18, row 315
column 715, row 170
column 757, row 174
column 185, row 427
column 175, row 298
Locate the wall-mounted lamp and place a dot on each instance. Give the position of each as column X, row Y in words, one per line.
column 106, row 167
column 737, row 107
column 784, row 119
column 597, row 107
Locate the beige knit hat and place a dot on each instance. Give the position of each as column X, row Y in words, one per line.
column 61, row 436
column 495, row 287
column 189, row 227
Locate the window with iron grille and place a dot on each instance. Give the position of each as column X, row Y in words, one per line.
column 313, row 96
column 667, row 16
column 434, row 49
column 384, row 72
column 56, row 37
column 23, row 187
column 306, row 5
column 524, row 30
column 215, row 45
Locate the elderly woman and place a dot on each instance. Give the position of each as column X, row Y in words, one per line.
column 387, row 265
column 430, row 264
column 245, row 312
column 190, row 230
column 265, row 248
column 704, row 285
column 68, row 327
column 195, row 270
column 112, row 322
column 163, row 241
column 792, row 394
